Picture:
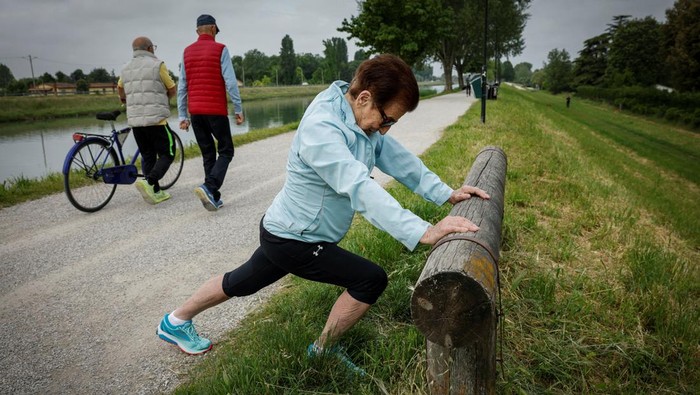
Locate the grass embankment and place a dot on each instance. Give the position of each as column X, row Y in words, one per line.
column 32, row 108
column 22, row 189
column 599, row 267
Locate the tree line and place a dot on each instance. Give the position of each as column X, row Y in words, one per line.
column 10, row 85
column 641, row 65
column 419, row 31
column 452, row 32
column 631, row 52
column 639, row 52
column 254, row 68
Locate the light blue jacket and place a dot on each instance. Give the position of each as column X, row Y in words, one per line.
column 328, row 178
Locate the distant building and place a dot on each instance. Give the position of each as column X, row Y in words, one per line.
column 64, row 88
column 53, row 88
column 103, row 87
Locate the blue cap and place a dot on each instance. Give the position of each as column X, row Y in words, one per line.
column 206, row 19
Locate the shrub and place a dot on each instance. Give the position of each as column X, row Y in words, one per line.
column 673, row 106
column 673, row 114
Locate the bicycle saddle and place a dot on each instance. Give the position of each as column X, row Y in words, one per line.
column 108, row 116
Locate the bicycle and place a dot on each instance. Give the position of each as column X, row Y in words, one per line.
column 95, row 165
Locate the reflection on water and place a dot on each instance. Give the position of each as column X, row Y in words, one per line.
column 35, row 149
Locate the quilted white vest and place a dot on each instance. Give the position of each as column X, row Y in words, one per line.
column 146, row 97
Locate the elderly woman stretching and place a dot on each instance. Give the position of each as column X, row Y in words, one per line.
column 340, row 139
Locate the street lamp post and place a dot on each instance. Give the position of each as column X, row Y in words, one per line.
column 483, row 69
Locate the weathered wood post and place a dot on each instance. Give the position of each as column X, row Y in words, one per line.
column 454, row 301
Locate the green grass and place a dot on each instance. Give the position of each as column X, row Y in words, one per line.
column 599, row 264
column 33, row 108
column 599, row 268
column 21, row 189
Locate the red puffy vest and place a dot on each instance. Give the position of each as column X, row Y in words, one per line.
column 206, row 89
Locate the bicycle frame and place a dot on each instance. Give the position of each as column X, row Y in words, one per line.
column 112, row 141
column 96, row 164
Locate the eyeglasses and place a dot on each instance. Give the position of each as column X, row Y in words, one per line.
column 386, row 121
column 154, row 47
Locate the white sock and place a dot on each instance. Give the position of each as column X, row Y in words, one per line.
column 174, row 320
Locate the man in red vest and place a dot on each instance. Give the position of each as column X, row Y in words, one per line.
column 206, row 75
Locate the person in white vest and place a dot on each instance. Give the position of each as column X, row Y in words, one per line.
column 145, row 86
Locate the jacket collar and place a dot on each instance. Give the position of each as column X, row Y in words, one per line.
column 205, row 37
column 141, row 53
column 340, row 88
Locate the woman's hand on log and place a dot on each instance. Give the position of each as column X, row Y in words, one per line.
column 449, row 224
column 466, row 192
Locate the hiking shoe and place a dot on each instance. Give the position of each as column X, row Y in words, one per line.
column 184, row 336
column 337, row 352
column 161, row 196
column 207, row 198
column 146, row 189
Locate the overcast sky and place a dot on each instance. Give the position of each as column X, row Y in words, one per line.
column 69, row 34
column 566, row 24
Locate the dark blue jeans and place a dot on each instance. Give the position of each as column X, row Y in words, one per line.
column 206, row 129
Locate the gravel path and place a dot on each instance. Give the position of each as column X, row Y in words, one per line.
column 82, row 294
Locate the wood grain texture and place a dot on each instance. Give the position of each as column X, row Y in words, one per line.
column 454, row 301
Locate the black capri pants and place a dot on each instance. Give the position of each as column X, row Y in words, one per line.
column 322, row 262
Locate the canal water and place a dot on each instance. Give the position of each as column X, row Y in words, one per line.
column 36, row 149
column 33, row 150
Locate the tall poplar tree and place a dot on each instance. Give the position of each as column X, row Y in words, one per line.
column 336, row 59
column 288, row 62
column 557, row 72
column 6, row 76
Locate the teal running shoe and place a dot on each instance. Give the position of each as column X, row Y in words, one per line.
column 337, row 352
column 184, row 336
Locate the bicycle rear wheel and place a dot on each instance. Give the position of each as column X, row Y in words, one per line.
column 83, row 182
column 175, row 168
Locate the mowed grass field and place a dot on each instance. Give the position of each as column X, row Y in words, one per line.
column 599, row 267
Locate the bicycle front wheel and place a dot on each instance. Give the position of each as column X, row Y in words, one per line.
column 83, row 182
column 175, row 168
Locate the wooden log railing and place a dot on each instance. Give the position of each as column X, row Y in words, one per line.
column 454, row 301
